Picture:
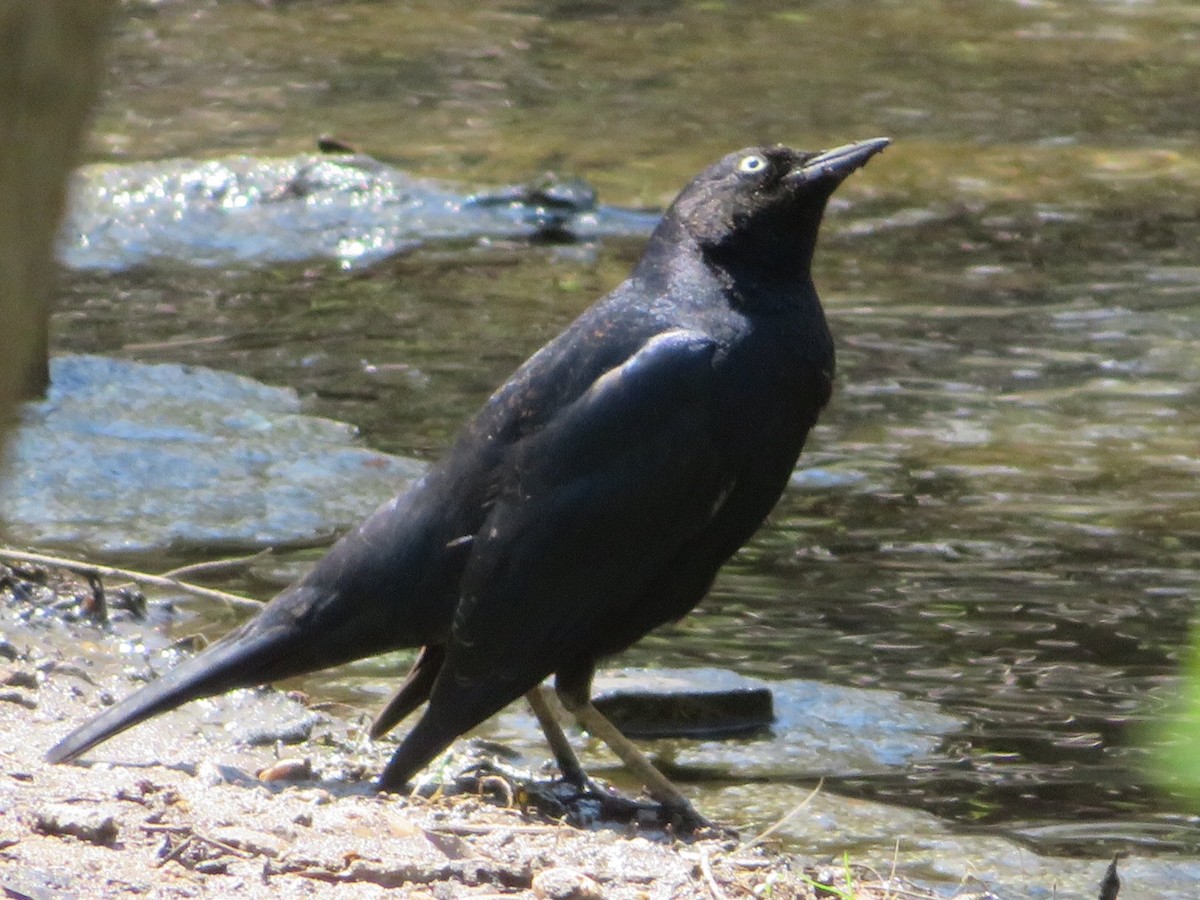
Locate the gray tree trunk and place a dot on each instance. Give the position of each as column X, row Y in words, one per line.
column 50, row 69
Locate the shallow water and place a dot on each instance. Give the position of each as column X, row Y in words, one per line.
column 999, row 511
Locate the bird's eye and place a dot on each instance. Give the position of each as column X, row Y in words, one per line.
column 751, row 164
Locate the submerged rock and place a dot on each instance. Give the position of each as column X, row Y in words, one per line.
column 247, row 210
column 126, row 456
column 817, row 729
column 827, row 729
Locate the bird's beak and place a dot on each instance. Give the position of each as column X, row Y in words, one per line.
column 839, row 162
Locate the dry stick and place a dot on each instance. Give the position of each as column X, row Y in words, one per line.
column 895, row 862
column 893, row 889
column 177, row 851
column 914, row 894
column 218, row 566
column 796, row 809
column 503, row 784
column 86, row 569
column 707, row 872
column 221, row 845
column 901, row 890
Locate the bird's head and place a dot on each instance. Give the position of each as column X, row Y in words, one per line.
column 757, row 211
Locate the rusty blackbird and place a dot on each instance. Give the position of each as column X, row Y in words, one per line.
column 592, row 498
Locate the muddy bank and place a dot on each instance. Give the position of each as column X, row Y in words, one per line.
column 208, row 806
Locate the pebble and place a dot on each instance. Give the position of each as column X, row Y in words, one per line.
column 287, row 770
column 19, row 697
column 563, row 883
column 291, row 731
column 212, row 773
column 14, row 676
column 91, row 825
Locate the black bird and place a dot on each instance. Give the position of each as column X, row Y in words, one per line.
column 593, row 498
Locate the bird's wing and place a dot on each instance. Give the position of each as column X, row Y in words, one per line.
column 590, row 507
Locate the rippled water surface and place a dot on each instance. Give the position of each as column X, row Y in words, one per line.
column 999, row 511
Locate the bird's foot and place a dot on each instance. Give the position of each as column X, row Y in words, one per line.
column 606, row 803
column 678, row 816
column 682, row 818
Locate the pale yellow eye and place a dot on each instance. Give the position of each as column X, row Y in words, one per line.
column 752, row 164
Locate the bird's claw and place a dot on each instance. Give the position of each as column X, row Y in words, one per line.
column 683, row 819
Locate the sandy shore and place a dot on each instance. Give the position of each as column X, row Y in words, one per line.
column 169, row 810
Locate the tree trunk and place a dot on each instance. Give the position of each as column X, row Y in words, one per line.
column 50, row 68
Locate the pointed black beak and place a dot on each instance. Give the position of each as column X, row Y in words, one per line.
column 839, row 162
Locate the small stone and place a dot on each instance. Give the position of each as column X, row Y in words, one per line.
column 37, row 884
column 14, row 676
column 287, row 770
column 212, row 773
column 384, row 873
column 563, row 883
column 295, row 730
column 53, row 667
column 19, row 697
column 93, row 826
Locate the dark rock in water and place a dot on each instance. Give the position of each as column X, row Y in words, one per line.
column 327, row 143
column 683, row 702
column 124, row 456
column 1110, row 887
column 244, row 210
column 550, row 203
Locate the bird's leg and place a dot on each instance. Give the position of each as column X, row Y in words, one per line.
column 568, row 762
column 680, row 810
column 612, row 805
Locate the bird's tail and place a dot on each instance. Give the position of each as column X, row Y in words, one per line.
column 272, row 646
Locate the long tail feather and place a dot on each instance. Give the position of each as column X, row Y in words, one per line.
column 223, row 666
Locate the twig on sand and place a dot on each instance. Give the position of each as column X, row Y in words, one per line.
column 190, row 837
column 91, row 570
column 707, row 873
